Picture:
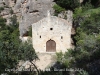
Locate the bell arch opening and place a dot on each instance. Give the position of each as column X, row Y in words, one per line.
column 50, row 46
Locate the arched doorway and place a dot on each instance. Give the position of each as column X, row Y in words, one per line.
column 51, row 46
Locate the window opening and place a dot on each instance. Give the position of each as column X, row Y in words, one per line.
column 51, row 28
column 40, row 36
column 61, row 37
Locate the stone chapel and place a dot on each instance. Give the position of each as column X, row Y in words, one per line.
column 51, row 34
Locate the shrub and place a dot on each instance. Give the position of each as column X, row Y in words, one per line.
column 11, row 11
column 68, row 4
column 14, row 23
column 2, row 23
column 30, row 32
column 87, row 6
column 1, row 8
column 58, row 9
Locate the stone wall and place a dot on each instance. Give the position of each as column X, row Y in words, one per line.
column 60, row 33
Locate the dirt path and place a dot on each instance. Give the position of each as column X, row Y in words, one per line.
column 45, row 60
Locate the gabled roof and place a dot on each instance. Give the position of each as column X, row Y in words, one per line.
column 54, row 18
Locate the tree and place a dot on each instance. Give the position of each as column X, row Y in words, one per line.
column 87, row 44
column 14, row 22
column 11, row 48
column 26, row 52
column 2, row 23
column 68, row 4
column 95, row 3
column 86, row 53
column 58, row 9
column 8, row 50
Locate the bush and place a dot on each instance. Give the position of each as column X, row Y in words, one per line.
column 77, row 12
column 58, row 9
column 30, row 32
column 26, row 52
column 1, row 8
column 87, row 6
column 95, row 3
column 2, row 23
column 68, row 4
column 11, row 11
column 14, row 22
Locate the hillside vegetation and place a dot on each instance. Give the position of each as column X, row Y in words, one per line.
column 12, row 50
column 86, row 54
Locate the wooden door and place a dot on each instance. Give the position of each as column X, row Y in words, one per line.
column 50, row 46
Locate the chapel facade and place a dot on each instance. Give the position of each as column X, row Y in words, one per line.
column 51, row 34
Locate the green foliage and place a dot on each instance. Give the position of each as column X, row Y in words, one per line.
column 86, row 53
column 59, row 56
column 15, row 36
column 83, row 73
column 30, row 32
column 86, row 34
column 65, row 58
column 87, row 37
column 87, row 6
column 86, row 14
column 11, row 11
column 27, row 52
column 58, row 9
column 14, row 22
column 2, row 23
column 84, row 10
column 92, row 11
column 95, row 3
column 91, row 24
column 68, row 4
column 4, row 34
column 8, row 48
column 11, row 48
column 77, row 12
column 1, row 9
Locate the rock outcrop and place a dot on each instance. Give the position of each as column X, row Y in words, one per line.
column 29, row 12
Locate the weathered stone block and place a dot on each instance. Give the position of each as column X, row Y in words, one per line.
column 51, row 34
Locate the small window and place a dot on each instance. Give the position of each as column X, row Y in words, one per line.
column 51, row 28
column 61, row 37
column 40, row 36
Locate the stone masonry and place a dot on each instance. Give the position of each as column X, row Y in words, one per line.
column 51, row 28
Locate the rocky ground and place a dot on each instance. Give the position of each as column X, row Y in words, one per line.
column 45, row 61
